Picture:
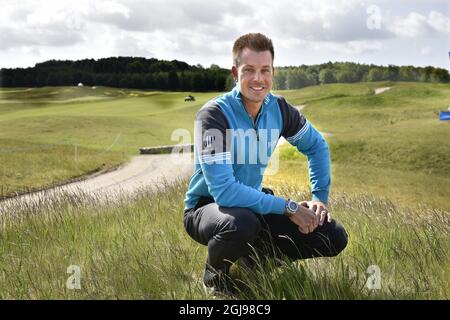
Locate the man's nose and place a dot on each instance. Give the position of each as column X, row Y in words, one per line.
column 258, row 76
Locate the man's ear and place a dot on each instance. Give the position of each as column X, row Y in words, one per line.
column 234, row 72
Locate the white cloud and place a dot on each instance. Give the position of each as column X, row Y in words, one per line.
column 112, row 8
column 350, row 48
column 13, row 38
column 426, row 50
column 128, row 45
column 51, row 24
column 439, row 22
column 200, row 31
column 419, row 25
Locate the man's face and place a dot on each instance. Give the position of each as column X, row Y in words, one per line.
column 254, row 74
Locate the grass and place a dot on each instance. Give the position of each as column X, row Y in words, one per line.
column 138, row 249
column 390, row 145
column 53, row 134
column 390, row 186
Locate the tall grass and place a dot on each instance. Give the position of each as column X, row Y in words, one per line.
column 136, row 248
column 410, row 248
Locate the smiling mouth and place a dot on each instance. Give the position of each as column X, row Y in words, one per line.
column 257, row 88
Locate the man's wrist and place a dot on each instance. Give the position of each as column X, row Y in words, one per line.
column 321, row 196
column 291, row 208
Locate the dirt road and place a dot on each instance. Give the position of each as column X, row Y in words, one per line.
column 381, row 90
column 143, row 171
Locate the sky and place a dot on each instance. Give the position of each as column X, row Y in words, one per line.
column 403, row 32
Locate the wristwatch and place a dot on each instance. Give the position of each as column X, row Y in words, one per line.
column 291, row 208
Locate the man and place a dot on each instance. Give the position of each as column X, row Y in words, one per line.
column 235, row 134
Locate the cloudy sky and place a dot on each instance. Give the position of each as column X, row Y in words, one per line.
column 405, row 32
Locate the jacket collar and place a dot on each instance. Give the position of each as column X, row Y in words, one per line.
column 236, row 95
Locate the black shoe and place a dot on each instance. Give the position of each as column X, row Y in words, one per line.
column 220, row 292
column 219, row 285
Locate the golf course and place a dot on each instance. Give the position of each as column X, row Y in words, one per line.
column 390, row 188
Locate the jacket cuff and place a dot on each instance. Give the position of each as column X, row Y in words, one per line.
column 320, row 195
column 278, row 205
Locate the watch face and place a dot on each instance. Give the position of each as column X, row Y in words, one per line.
column 293, row 206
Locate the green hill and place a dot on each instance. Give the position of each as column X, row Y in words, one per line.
column 390, row 145
column 390, row 187
column 52, row 134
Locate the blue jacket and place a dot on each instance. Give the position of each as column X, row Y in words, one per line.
column 231, row 152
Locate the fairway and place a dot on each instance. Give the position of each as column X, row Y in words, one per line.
column 390, row 187
column 49, row 135
column 390, row 145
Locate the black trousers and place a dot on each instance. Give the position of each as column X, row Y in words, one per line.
column 231, row 233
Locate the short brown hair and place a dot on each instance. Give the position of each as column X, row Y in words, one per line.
column 254, row 41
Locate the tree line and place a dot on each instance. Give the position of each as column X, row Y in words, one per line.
column 119, row 72
column 347, row 72
column 142, row 73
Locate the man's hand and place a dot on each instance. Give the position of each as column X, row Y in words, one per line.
column 320, row 210
column 305, row 219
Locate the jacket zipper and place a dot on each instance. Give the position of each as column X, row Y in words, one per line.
column 254, row 123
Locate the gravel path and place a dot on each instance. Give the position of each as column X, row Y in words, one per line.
column 381, row 90
column 143, row 171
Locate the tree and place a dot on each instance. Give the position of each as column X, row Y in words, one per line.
column 186, row 81
column 197, row 82
column 125, row 82
column 229, row 83
column 375, row 74
column 408, row 73
column 135, row 67
column 149, row 81
column 312, row 76
column 161, row 81
column 280, row 80
column 174, row 75
column 219, row 82
column 214, row 67
column 173, row 82
column 326, row 76
column 87, row 79
column 29, row 80
column 345, row 76
column 295, row 79
column 393, row 72
column 137, row 81
column 439, row 75
column 53, row 79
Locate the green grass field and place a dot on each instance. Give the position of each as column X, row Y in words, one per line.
column 49, row 135
column 390, row 187
column 390, row 145
column 138, row 249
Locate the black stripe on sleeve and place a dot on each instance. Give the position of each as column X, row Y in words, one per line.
column 210, row 135
column 293, row 120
